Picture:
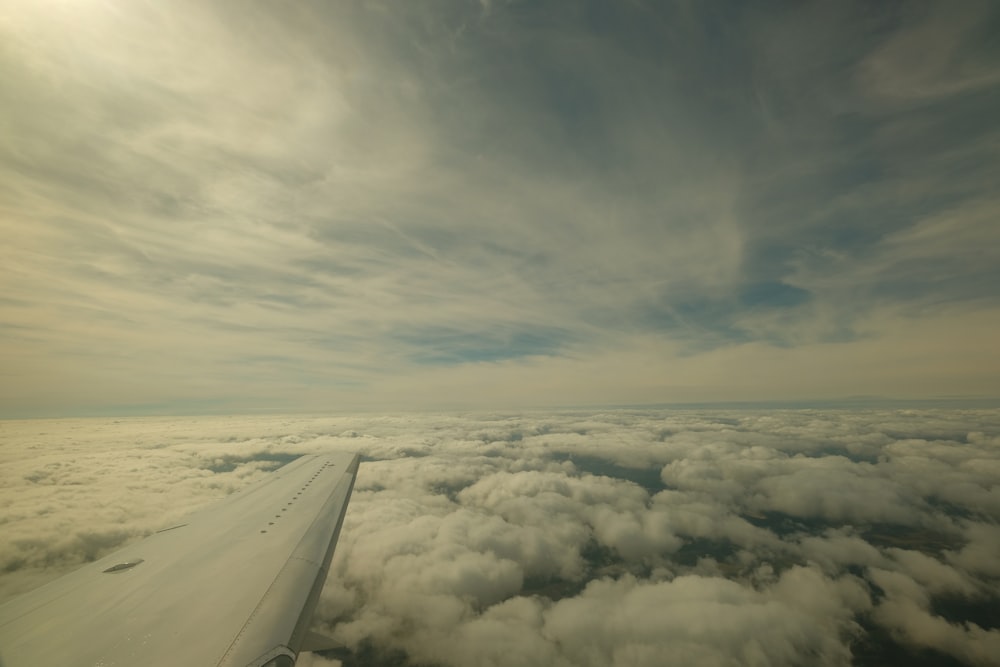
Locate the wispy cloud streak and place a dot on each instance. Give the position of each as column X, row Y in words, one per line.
column 284, row 207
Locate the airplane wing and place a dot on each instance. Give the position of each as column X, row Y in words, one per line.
column 233, row 585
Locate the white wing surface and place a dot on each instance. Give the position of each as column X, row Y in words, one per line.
column 234, row 585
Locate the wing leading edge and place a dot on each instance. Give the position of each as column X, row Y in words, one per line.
column 235, row 585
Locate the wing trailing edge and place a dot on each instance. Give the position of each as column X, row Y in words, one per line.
column 235, row 585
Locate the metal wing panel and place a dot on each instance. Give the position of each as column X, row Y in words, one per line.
column 234, row 578
column 296, row 587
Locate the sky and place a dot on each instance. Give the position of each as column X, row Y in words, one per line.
column 623, row 538
column 244, row 206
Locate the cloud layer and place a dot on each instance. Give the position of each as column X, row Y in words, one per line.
column 220, row 208
column 572, row 538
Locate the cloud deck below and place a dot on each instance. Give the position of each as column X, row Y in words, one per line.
column 575, row 538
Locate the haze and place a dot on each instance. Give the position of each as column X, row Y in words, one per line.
column 228, row 207
column 487, row 245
